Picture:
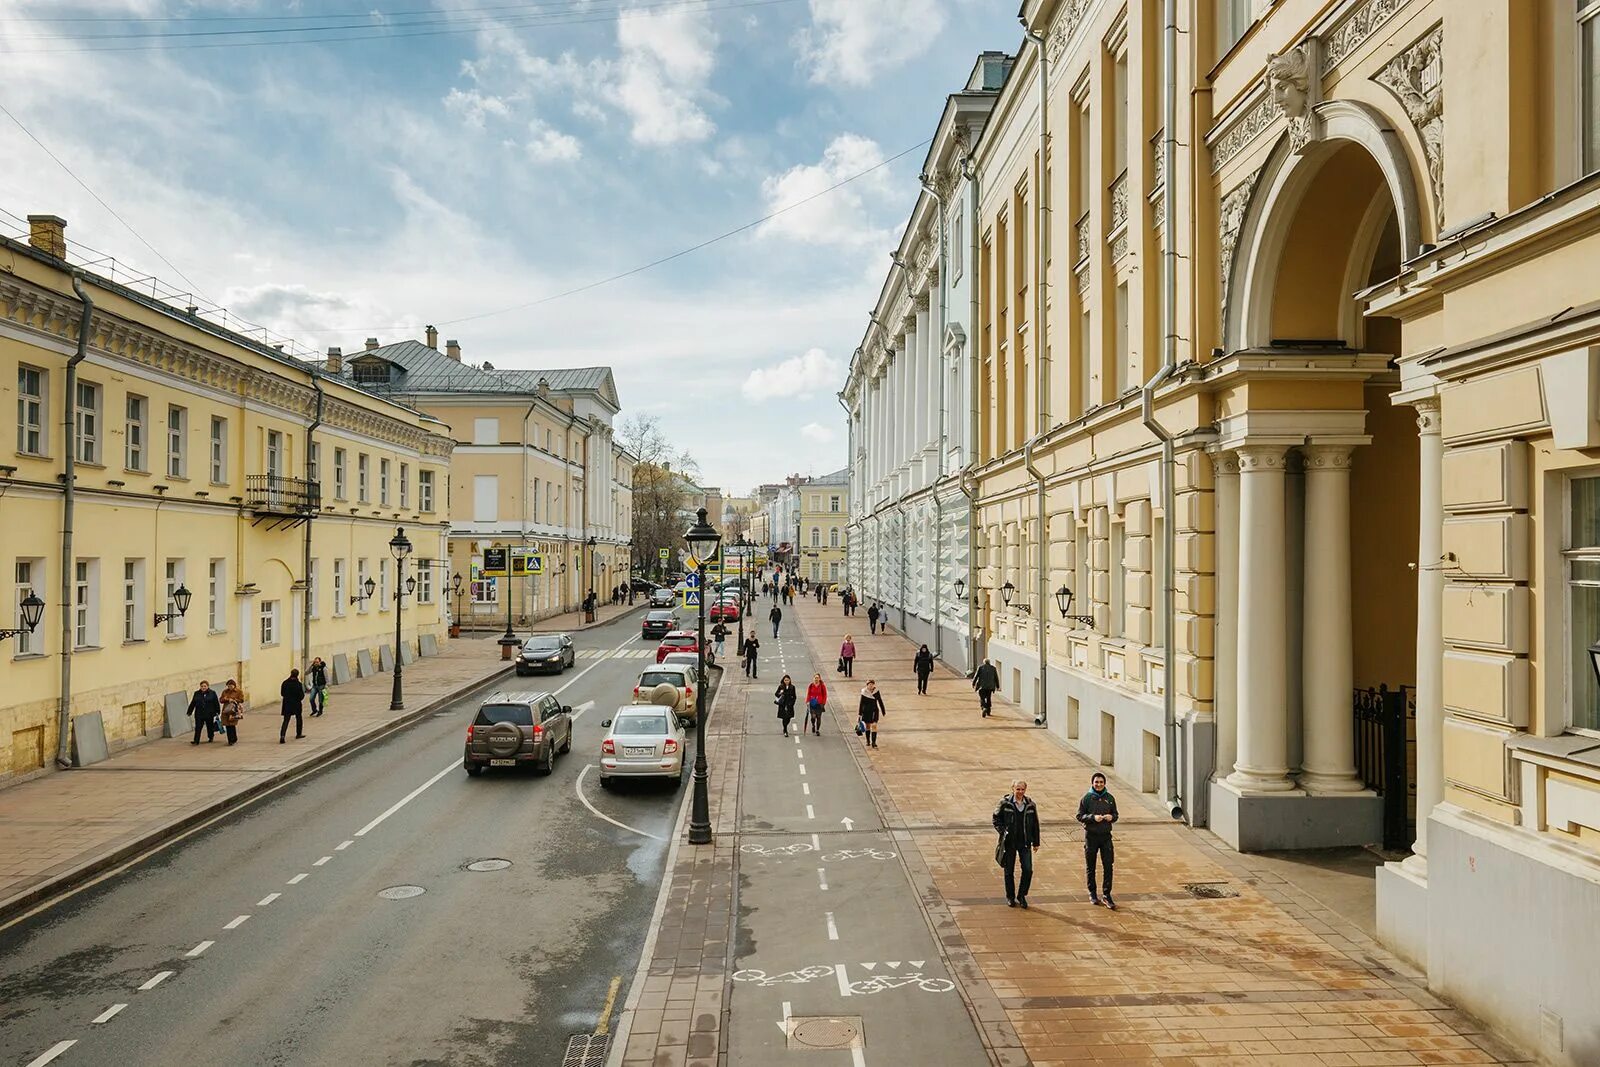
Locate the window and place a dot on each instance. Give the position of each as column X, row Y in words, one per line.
column 137, row 432
column 383, row 482
column 485, row 497
column 424, row 581
column 216, row 453
column 269, row 623
column 87, row 422
column 274, row 454
column 86, row 603
column 833, row 572
column 548, row 446
column 485, row 431
column 313, row 587
column 338, row 474
column 383, row 585
column 816, row 537
column 816, row 571
column 1589, row 49
column 1086, row 360
column 174, row 579
column 484, row 590
column 177, row 453
column 405, row 486
column 361, row 586
column 338, row 588
column 30, row 576
column 363, row 478
column 216, row 593
column 833, row 504
column 1583, row 599
column 1124, row 356
column 133, row 600
column 1233, row 19
column 30, row 410
column 833, row 537
column 425, row 492
column 314, row 463
column 1118, row 576
column 957, row 245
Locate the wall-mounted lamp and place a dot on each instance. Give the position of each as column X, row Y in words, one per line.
column 180, row 599
column 1064, row 605
column 1007, row 591
column 32, row 609
column 367, row 589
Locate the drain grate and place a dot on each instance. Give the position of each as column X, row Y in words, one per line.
column 488, row 865
column 401, row 892
column 586, row 1050
column 1210, row 890
column 825, row 1032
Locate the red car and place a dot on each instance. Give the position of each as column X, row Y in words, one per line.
column 727, row 611
column 680, row 641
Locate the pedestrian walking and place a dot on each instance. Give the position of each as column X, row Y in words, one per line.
column 784, row 696
column 872, row 710
column 233, row 704
column 318, row 677
column 1017, row 819
column 922, row 664
column 1097, row 811
column 749, row 650
column 204, row 707
column 847, row 657
column 986, row 681
column 816, row 701
column 719, row 633
column 293, row 692
column 872, row 617
column 776, row 615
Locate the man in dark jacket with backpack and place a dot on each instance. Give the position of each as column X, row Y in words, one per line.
column 986, row 681
column 1017, row 819
column 1097, row 811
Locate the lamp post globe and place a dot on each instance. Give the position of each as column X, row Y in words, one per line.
column 702, row 540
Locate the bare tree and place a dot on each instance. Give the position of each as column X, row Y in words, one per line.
column 663, row 488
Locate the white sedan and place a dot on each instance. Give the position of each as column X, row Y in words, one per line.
column 642, row 741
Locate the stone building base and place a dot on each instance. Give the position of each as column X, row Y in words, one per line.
column 1402, row 895
column 1270, row 822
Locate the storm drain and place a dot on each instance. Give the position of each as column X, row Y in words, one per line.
column 401, row 892
column 1210, row 890
column 586, row 1050
column 488, row 865
column 825, row 1032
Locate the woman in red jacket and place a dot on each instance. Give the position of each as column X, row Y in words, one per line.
column 816, row 701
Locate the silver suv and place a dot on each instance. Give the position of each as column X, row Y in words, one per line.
column 518, row 730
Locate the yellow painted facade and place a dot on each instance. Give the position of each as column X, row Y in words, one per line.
column 192, row 469
column 824, row 504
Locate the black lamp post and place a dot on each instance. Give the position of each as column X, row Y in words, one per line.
column 180, row 598
column 702, row 541
column 1064, row 605
column 455, row 587
column 593, row 578
column 32, row 611
column 400, row 548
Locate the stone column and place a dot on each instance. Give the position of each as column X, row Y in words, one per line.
column 1262, row 763
column 1225, row 705
column 1430, row 628
column 1328, row 648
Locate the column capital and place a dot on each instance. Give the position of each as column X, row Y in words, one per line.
column 1225, row 463
column 1261, row 457
column 1327, row 457
column 1428, row 420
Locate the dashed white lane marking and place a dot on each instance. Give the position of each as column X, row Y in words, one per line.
column 822, row 878
column 55, row 1050
column 236, row 922
column 109, row 1014
column 816, row 843
column 408, row 798
column 810, row 812
column 806, row 788
column 802, row 769
column 342, row 845
column 833, row 929
column 297, row 879
column 198, row 949
column 268, row 899
column 844, row 983
column 325, row 859
column 596, row 811
column 157, row 980
column 800, row 753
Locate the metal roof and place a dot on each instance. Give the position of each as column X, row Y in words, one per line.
column 428, row 370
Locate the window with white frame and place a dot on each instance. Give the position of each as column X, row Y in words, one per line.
column 217, row 596
column 485, row 590
column 338, row 474
column 219, row 450
column 31, row 433
column 958, row 247
column 313, row 587
column 136, row 434
column 86, row 603
column 177, row 441
column 1233, row 19
column 383, row 585
column 424, row 581
column 833, row 572
column 314, row 462
column 174, row 578
column 405, row 486
column 363, row 478
column 833, row 537
column 86, row 413
column 30, row 576
column 365, row 604
column 1589, row 73
column 133, row 600
column 485, row 498
column 269, row 623
column 275, row 453
column 1582, row 552
column 383, row 482
column 425, row 492
column 833, row 504
column 816, row 537
column 485, row 431
column 338, row 588
column 1118, row 576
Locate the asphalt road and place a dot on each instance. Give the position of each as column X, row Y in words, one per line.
column 278, row 947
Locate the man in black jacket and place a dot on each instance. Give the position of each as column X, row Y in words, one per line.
column 1097, row 811
column 776, row 615
column 1017, row 819
column 205, row 707
column 293, row 693
column 986, row 681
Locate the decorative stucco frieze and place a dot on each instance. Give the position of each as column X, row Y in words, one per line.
column 1066, row 27
column 1355, row 29
column 1119, row 201
column 1119, row 246
column 1251, row 123
column 1416, row 78
column 1230, row 219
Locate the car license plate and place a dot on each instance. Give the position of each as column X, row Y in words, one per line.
column 638, row 750
column 502, row 763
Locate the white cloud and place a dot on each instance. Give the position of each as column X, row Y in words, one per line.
column 815, row 431
column 800, row 377
column 550, row 145
column 661, row 74
column 839, row 218
column 852, row 42
column 474, row 107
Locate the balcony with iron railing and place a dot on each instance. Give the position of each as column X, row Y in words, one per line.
column 274, row 494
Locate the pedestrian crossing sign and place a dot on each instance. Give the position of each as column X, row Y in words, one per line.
column 691, row 598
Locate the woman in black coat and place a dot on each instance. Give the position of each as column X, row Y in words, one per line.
column 784, row 697
column 871, row 711
column 923, row 666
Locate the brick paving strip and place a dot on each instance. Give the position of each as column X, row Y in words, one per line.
column 66, row 828
column 1264, row 975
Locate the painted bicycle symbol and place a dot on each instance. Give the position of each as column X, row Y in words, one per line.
column 795, row 849
column 880, row 982
column 800, row 977
column 861, row 854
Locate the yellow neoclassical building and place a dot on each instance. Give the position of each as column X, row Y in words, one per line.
column 201, row 461
column 1287, row 372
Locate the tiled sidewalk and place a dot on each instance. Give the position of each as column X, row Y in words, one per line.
column 65, row 827
column 1261, row 975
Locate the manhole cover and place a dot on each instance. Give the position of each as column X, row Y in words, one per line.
column 1210, row 890
column 401, row 892
column 586, row 1050
column 488, row 865
column 825, row 1033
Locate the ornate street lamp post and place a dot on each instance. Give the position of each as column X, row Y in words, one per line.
column 455, row 587
column 180, row 598
column 400, row 548
column 702, row 541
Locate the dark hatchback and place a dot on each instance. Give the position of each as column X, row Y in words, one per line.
column 546, row 654
column 659, row 623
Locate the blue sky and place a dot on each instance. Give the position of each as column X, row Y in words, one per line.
column 338, row 190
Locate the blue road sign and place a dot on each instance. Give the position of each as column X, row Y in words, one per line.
column 692, row 580
column 691, row 598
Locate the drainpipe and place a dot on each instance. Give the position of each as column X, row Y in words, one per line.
column 524, row 450
column 305, row 569
column 850, row 431
column 1169, row 352
column 1041, row 385
column 944, row 414
column 969, row 485
column 68, row 502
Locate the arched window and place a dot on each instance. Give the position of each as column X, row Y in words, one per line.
column 816, row 537
column 833, row 537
